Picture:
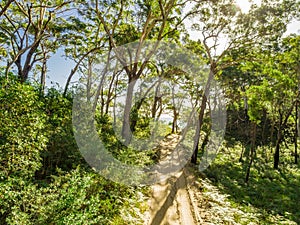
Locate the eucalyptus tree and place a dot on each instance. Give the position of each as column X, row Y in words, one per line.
column 138, row 21
column 223, row 21
column 278, row 92
column 29, row 30
column 84, row 38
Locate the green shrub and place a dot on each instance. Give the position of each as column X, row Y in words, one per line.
column 22, row 136
column 43, row 178
column 61, row 150
column 22, row 139
column 80, row 196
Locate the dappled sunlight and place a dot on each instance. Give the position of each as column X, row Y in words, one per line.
column 270, row 195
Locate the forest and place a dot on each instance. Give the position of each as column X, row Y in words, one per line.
column 172, row 112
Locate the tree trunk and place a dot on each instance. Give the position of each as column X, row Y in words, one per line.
column 277, row 155
column 102, row 102
column 252, row 154
column 296, row 135
column 135, row 114
column 241, row 155
column 43, row 75
column 174, row 123
column 74, row 70
column 282, row 125
column 265, row 118
column 28, row 64
column 271, row 136
column 126, row 132
column 277, row 147
column 110, row 92
column 157, row 98
column 137, row 106
column 201, row 113
column 154, row 107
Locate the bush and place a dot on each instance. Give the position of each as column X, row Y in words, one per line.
column 76, row 197
column 22, row 139
column 22, row 136
column 61, row 150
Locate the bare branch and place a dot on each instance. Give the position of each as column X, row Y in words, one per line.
column 3, row 9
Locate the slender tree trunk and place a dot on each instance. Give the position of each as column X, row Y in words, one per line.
column 296, row 134
column 174, row 123
column 110, row 92
column 277, row 154
column 43, row 75
column 160, row 107
column 263, row 138
column 126, row 132
column 89, row 79
column 157, row 98
column 252, row 150
column 74, row 70
column 271, row 136
column 154, row 107
column 201, row 113
column 282, row 125
column 108, row 101
column 241, row 155
column 277, row 146
column 102, row 103
column 198, row 129
column 137, row 107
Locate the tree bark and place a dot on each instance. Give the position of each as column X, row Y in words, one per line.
column 6, row 7
column 277, row 146
column 252, row 154
column 157, row 98
column 43, row 75
column 282, row 125
column 137, row 107
column 174, row 123
column 201, row 113
column 28, row 62
column 296, row 134
column 126, row 132
column 110, row 92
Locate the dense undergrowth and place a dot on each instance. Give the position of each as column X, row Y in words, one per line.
column 45, row 180
column 270, row 196
column 43, row 177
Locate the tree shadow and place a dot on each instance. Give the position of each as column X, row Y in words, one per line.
column 271, row 192
column 175, row 185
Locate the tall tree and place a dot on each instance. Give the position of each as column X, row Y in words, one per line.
column 28, row 32
column 156, row 21
column 220, row 21
column 278, row 92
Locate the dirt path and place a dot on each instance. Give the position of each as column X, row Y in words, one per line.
column 190, row 198
column 172, row 202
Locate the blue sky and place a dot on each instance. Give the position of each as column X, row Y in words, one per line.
column 58, row 69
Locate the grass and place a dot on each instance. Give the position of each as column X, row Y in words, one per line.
column 274, row 196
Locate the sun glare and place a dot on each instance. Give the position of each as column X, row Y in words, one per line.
column 246, row 4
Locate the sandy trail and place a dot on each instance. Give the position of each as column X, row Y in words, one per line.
column 171, row 202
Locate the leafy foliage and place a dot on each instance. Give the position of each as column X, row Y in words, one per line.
column 271, row 195
column 42, row 181
column 22, row 130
